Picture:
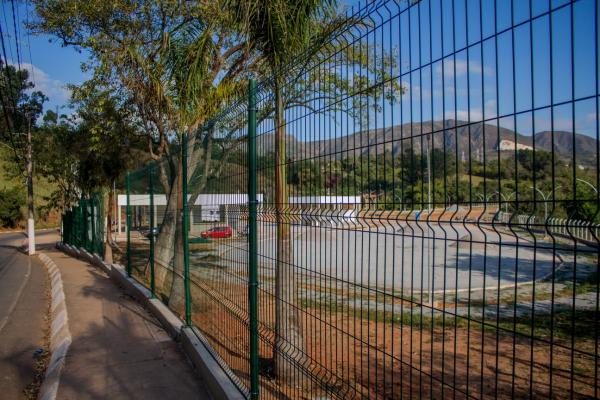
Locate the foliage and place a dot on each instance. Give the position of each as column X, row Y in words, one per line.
column 21, row 108
column 88, row 150
column 10, row 207
column 401, row 182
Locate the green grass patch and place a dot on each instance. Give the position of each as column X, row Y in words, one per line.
column 414, row 319
column 562, row 325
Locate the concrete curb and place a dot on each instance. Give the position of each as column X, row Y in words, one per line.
column 133, row 288
column 24, row 245
column 217, row 380
column 207, row 367
column 169, row 321
column 60, row 336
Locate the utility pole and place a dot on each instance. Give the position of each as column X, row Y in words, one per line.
column 29, row 168
column 430, row 260
column 29, row 177
column 428, row 178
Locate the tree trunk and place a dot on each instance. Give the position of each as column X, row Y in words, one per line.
column 168, row 247
column 289, row 344
column 177, row 295
column 164, row 246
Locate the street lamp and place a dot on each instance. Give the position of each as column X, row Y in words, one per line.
column 487, row 198
column 589, row 184
column 546, row 197
column 506, row 199
column 428, row 177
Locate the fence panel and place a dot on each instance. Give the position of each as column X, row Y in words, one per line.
column 83, row 224
column 218, row 254
column 138, row 224
column 426, row 210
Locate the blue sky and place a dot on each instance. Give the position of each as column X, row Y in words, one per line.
column 51, row 66
column 455, row 61
column 427, row 63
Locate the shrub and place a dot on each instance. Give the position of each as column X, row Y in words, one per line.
column 11, row 201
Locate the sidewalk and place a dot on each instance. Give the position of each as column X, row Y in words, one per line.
column 119, row 350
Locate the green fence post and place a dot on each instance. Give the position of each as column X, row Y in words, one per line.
column 128, row 217
column 92, row 247
column 252, row 242
column 151, row 190
column 81, row 228
column 82, row 231
column 85, row 213
column 185, row 228
column 78, row 237
column 101, row 230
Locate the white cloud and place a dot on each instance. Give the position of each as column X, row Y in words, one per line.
column 591, row 118
column 462, row 67
column 475, row 115
column 53, row 88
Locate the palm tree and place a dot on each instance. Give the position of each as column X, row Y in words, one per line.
column 280, row 30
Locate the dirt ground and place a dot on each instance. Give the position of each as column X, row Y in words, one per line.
column 350, row 354
column 352, row 357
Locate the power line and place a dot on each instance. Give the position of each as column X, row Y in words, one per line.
column 7, row 35
column 5, row 73
column 17, row 35
column 8, row 82
column 28, row 41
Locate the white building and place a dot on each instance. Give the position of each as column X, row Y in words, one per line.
column 228, row 208
column 206, row 208
column 326, row 210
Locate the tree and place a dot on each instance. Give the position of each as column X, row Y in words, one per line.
column 280, row 30
column 20, row 111
column 10, row 207
column 308, row 62
column 57, row 159
column 176, row 64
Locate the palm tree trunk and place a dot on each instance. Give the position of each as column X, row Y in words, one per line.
column 177, row 295
column 289, row 343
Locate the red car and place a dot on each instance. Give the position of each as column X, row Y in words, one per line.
column 218, row 232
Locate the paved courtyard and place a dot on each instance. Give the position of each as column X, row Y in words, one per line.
column 403, row 256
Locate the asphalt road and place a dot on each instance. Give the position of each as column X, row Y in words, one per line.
column 23, row 307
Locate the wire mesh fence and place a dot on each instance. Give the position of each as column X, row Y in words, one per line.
column 83, row 225
column 410, row 211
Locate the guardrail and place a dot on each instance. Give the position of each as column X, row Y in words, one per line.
column 574, row 229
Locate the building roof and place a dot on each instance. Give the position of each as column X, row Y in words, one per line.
column 202, row 200
column 325, row 200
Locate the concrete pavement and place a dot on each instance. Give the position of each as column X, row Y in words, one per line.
column 119, row 350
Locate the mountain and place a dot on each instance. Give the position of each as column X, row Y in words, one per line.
column 457, row 137
column 585, row 147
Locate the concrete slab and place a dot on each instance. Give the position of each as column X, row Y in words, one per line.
column 119, row 350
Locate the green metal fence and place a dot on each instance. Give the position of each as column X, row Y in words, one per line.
column 83, row 225
column 406, row 227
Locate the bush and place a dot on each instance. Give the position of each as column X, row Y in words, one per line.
column 11, row 201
